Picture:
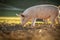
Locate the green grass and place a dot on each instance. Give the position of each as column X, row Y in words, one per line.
column 9, row 12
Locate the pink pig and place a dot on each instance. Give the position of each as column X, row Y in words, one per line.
column 44, row 11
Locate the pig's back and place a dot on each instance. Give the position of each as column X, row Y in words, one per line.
column 40, row 10
column 44, row 11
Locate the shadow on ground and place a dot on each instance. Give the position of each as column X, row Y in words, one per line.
column 17, row 32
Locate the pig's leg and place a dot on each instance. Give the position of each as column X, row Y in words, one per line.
column 45, row 21
column 57, row 19
column 52, row 19
column 33, row 22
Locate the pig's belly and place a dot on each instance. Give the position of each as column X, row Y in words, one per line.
column 43, row 16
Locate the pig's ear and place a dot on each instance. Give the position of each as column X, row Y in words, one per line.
column 22, row 15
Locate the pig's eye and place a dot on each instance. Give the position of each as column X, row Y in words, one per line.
column 22, row 15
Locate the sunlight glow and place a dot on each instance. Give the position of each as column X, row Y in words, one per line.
column 17, row 20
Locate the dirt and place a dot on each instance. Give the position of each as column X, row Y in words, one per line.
column 39, row 32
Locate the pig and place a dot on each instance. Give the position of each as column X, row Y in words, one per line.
column 59, row 12
column 43, row 11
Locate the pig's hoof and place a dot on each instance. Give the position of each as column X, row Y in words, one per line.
column 52, row 26
column 32, row 26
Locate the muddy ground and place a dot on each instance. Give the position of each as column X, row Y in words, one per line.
column 39, row 32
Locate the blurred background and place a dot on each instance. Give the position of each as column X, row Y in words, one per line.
column 10, row 28
column 9, row 8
